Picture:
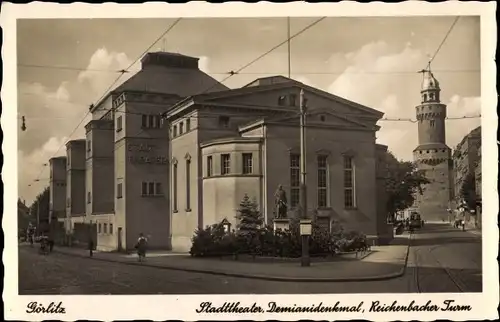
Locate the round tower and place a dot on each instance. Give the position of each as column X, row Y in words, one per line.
column 432, row 155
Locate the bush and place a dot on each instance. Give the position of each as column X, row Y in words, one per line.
column 214, row 241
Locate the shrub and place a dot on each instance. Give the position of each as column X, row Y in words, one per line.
column 214, row 241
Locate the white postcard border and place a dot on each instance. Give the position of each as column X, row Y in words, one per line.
column 182, row 307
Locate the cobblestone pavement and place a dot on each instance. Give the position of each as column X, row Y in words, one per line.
column 440, row 258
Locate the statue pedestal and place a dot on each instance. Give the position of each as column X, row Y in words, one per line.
column 281, row 224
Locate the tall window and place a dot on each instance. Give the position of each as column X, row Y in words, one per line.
column 188, row 125
column 210, row 166
column 247, row 163
column 119, row 191
column 225, row 164
column 188, row 184
column 174, row 188
column 144, row 123
column 432, row 123
column 105, row 228
column 294, row 179
column 111, row 229
column 181, row 128
column 89, row 197
column 174, row 134
column 89, row 145
column 151, row 190
column 349, row 187
column 322, row 181
column 119, row 123
column 144, row 190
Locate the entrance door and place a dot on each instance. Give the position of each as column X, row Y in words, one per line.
column 120, row 247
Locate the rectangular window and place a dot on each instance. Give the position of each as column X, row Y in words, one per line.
column 119, row 123
column 247, row 163
column 89, row 197
column 99, row 230
column 111, row 229
column 210, row 166
column 322, row 181
column 188, row 125
column 152, row 121
column 89, row 145
column 174, row 188
column 119, row 191
column 158, row 121
column 224, row 121
column 174, row 132
column 151, row 190
column 144, row 190
column 188, row 184
column 144, row 123
column 349, row 186
column 159, row 189
column 225, row 164
column 432, row 123
column 105, row 228
column 294, row 179
column 181, row 128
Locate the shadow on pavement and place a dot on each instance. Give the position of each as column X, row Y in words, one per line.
column 444, row 241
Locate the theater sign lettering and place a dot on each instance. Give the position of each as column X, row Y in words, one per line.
column 146, row 154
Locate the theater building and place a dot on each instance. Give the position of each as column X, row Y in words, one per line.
column 246, row 141
column 172, row 150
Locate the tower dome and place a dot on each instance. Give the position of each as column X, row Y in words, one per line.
column 429, row 82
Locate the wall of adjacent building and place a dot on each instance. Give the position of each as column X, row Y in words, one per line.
column 223, row 193
column 142, row 156
column 58, row 187
column 282, row 140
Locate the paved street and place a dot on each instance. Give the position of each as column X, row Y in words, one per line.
column 442, row 259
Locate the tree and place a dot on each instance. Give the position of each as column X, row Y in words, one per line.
column 249, row 217
column 403, row 181
column 468, row 190
column 43, row 199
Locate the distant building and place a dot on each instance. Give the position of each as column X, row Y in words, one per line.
column 432, row 155
column 23, row 215
column 466, row 157
column 75, row 184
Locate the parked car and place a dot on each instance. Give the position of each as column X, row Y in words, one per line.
column 415, row 221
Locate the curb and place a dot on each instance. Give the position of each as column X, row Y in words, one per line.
column 400, row 273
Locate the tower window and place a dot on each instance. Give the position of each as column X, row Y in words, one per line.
column 425, row 97
column 432, row 123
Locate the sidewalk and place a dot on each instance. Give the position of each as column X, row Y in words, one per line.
column 384, row 262
column 470, row 227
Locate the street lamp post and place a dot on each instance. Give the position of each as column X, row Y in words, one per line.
column 305, row 224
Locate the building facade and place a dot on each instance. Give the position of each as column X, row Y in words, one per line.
column 432, row 155
column 246, row 142
column 57, row 186
column 466, row 157
column 172, row 150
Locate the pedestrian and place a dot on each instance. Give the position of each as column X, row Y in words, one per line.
column 91, row 247
column 141, row 246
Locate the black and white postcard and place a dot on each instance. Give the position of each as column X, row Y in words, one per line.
column 250, row 161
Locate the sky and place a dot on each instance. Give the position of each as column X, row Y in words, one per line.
column 64, row 65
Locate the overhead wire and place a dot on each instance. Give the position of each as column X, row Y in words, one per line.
column 122, row 72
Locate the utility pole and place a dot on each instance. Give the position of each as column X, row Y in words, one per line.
column 305, row 259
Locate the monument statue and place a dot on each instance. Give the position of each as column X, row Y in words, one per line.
column 281, row 203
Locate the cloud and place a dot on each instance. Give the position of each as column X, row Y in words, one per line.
column 203, row 64
column 31, row 164
column 52, row 114
column 458, row 107
column 103, row 69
